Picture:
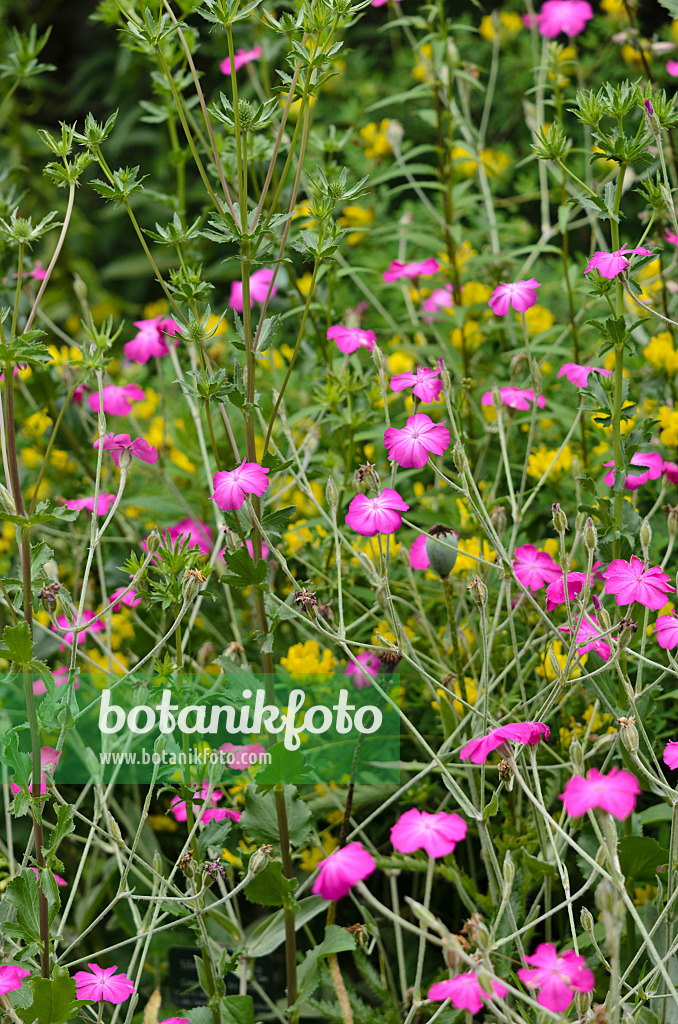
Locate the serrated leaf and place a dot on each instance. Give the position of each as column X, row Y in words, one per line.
column 18, row 643
column 260, row 818
column 269, row 887
column 286, row 766
column 54, row 999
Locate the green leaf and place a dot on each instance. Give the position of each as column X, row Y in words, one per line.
column 270, row 888
column 337, row 940
column 268, row 934
column 43, row 514
column 54, row 999
column 640, row 857
column 276, row 521
column 671, row 6
column 286, row 766
column 538, row 868
column 64, row 826
column 237, row 1010
column 243, row 571
column 215, row 834
column 260, row 818
column 23, row 893
column 17, row 640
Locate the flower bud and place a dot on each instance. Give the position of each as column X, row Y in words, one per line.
column 366, row 478
column 233, row 542
column 331, row 494
column 559, row 519
column 453, row 950
column 587, row 922
column 187, row 864
column 378, row 358
column 478, row 591
column 590, row 535
column 154, row 540
column 259, row 859
column 157, row 862
column 441, row 549
column 445, row 378
column 425, row 916
column 577, row 756
column 603, row 618
column 206, row 654
column 7, row 501
column 629, row 734
column 582, row 1001
column 509, row 870
column 645, row 537
column 485, row 979
column 555, row 664
column 124, row 460
column 459, row 459
column 627, row 628
column 498, row 518
column 191, row 584
column 671, row 513
column 477, row 932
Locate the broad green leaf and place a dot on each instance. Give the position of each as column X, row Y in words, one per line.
column 286, row 766
column 260, row 819
column 54, row 999
column 270, row 888
column 640, row 857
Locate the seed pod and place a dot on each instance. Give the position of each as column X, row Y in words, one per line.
column 577, row 756
column 259, row 859
column 154, row 540
column 459, row 459
column 424, row 916
column 331, row 494
column 629, row 734
column 587, row 922
column 559, row 519
column 627, row 630
column 191, row 584
column 509, row 869
column 498, row 518
column 590, row 535
column 478, row 592
column 645, row 537
column 441, row 550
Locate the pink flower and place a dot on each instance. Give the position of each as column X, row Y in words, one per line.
column 480, row 748
column 176, row 1020
column 588, row 638
column 231, row 487
column 11, row 978
column 38, row 273
column 652, row 460
column 666, row 628
column 240, row 758
column 102, row 985
column 350, row 339
column 260, row 282
column 555, row 592
column 49, row 759
column 398, row 269
column 670, row 755
column 129, row 599
column 87, row 615
column 672, row 238
column 418, row 554
column 634, row 581
column 57, row 878
column 178, row 806
column 138, row 448
column 424, row 383
column 197, row 533
column 568, row 16
column 60, row 676
column 437, row 834
column 117, row 399
column 514, row 398
column 342, row 869
column 615, row 793
column 363, row 673
column 521, row 295
column 670, row 471
column 610, row 264
column 380, row 3
column 219, row 813
column 440, row 298
column 150, row 340
column 104, row 503
column 578, row 374
column 411, row 446
column 535, row 569
column 672, row 69
column 240, row 58
column 370, row 516
column 465, row 992
column 556, row 977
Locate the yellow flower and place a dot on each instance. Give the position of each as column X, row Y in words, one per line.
column 376, row 139
column 474, row 292
column 181, row 460
column 36, row 425
column 601, row 724
column 155, row 434
column 357, row 217
column 472, row 337
column 400, row 362
column 643, row 893
column 615, row 8
column 469, row 551
column 384, row 630
column 661, row 354
column 31, row 458
column 312, row 855
column 118, row 666
column 307, row 659
column 304, row 283
column 546, row 668
column 7, row 538
column 145, row 409
column 631, row 56
column 471, row 695
column 158, row 307
column 539, row 319
column 510, row 24
column 464, row 161
column 540, row 459
column 61, row 461
column 63, row 356
column 668, row 422
column 423, row 69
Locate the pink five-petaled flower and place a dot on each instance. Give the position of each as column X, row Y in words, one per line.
column 242, row 757
column 260, row 282
column 418, row 555
column 521, row 295
column 578, row 374
column 411, row 446
column 104, row 502
column 178, row 806
column 480, row 748
column 370, row 516
column 231, row 487
column 365, row 671
column 610, row 264
column 653, row 462
column 670, row 471
column 138, row 448
column 150, row 340
column 11, row 978
column 240, row 58
column 556, row 977
column 437, row 834
column 465, row 992
column 568, row 16
column 589, row 639
column 424, row 383
column 49, row 759
column 666, row 628
column 175, row 1020
column 103, row 984
column 670, row 755
column 87, row 616
column 124, row 596
column 117, row 399
column 350, row 339
column 342, row 869
column 440, row 298
column 635, row 581
column 398, row 269
column 615, row 793
column 555, row 592
column 535, row 569
column 514, row 398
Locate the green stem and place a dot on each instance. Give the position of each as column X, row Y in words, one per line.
column 288, row 871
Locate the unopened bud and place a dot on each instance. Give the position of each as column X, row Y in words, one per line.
column 331, row 493
column 124, row 460
column 7, row 501
column 157, row 862
column 232, row 540
column 590, row 535
column 191, row 584
column 509, row 869
column 555, row 664
column 453, row 951
column 378, row 358
column 445, row 378
column 576, row 752
column 80, row 289
column 629, row 733
column 259, row 859
column 603, row 618
column 459, row 459
column 485, row 979
column 652, row 120
column 498, row 518
column 645, row 537
column 207, row 652
column 587, row 922
column 154, row 540
column 582, row 1001
column 425, row 916
column 559, row 519
column 478, row 592
column 441, row 550
column 627, row 629
column 671, row 513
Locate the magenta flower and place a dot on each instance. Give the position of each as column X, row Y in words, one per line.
column 150, row 340
column 49, row 759
column 398, row 269
column 380, row 3
column 103, row 984
column 521, row 295
column 117, row 399
column 634, row 581
column 138, row 448
column 672, row 69
column 588, row 638
column 231, row 487
column 418, row 554
column 350, row 339
column 437, row 834
column 122, row 596
column 197, row 533
column 87, row 616
column 178, row 806
column 411, row 446
column 568, row 16
column 11, row 978
column 260, row 282
column 615, row 793
column 370, row 516
column 555, row 592
column 242, row 757
column 363, row 673
column 342, row 869
column 578, row 374
column 654, row 467
column 669, row 236
column 480, row 748
column 440, row 298
column 535, row 569
column 670, row 755
column 240, row 58
column 514, row 398
column 666, row 628
column 424, row 383
column 60, row 676
column 610, row 264
column 57, row 878
column 556, row 977
column 670, row 471
column 104, row 503
column 465, row 992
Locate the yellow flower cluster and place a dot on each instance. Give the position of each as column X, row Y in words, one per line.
column 545, row 670
column 661, row 353
column 510, row 24
column 668, row 423
column 358, row 219
column 307, row 659
column 470, row 551
column 494, row 161
column 601, row 724
column 541, row 458
column 538, row 319
column 377, row 139
column 312, row 855
column 158, row 437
